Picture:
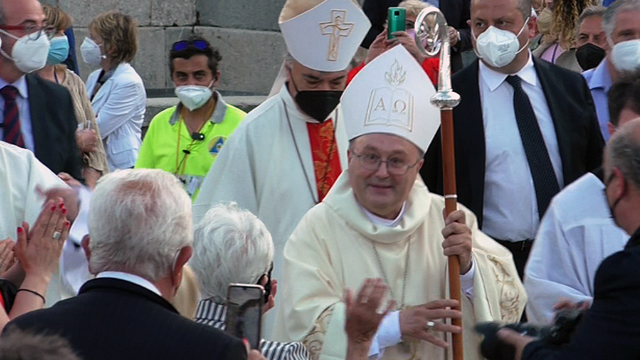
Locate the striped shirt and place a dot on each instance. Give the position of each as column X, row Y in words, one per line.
column 213, row 314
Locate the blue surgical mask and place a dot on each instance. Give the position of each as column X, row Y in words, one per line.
column 58, row 51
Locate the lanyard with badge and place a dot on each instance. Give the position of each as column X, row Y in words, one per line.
column 196, row 138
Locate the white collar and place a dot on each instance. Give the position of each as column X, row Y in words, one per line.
column 20, row 84
column 493, row 79
column 130, row 278
column 382, row 221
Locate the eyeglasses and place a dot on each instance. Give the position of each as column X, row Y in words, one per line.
column 184, row 44
column 33, row 32
column 267, row 286
column 395, row 165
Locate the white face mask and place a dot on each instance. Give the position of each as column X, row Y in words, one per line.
column 193, row 97
column 29, row 55
column 91, row 53
column 625, row 55
column 499, row 47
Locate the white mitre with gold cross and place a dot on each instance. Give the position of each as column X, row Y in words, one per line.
column 391, row 95
column 323, row 35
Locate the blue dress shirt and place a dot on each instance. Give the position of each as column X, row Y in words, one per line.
column 599, row 81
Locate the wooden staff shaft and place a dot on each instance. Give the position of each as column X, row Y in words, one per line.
column 451, row 205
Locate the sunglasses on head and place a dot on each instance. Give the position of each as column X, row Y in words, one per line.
column 184, row 44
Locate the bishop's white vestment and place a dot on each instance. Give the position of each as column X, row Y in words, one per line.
column 20, row 174
column 333, row 248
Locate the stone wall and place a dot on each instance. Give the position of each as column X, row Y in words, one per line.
column 244, row 31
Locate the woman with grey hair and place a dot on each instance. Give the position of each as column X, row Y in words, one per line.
column 232, row 245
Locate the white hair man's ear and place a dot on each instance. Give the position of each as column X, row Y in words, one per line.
column 181, row 260
column 85, row 246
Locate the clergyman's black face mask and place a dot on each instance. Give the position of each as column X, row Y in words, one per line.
column 317, row 103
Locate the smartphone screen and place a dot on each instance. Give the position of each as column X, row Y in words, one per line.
column 396, row 17
column 244, row 312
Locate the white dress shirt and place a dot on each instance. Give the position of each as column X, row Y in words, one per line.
column 388, row 333
column 510, row 205
column 23, row 109
column 135, row 279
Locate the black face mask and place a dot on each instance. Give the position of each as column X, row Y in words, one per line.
column 317, row 103
column 612, row 208
column 589, row 56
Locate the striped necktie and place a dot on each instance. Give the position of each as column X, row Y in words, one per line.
column 12, row 131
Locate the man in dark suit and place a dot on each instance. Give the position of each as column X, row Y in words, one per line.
column 523, row 130
column 455, row 11
column 611, row 327
column 39, row 112
column 141, row 235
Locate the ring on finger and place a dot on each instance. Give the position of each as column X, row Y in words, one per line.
column 430, row 327
column 56, row 235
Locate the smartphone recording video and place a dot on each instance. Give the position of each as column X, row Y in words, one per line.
column 244, row 312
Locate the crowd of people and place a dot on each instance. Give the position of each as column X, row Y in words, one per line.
column 329, row 197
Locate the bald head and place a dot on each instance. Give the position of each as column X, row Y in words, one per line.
column 23, row 13
column 623, row 152
column 524, row 6
column 18, row 12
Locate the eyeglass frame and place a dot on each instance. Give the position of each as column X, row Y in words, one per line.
column 380, row 161
column 38, row 30
column 267, row 286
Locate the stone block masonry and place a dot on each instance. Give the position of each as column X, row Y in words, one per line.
column 244, row 31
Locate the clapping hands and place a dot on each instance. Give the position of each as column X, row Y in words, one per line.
column 38, row 248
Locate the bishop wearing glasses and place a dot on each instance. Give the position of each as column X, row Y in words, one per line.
column 380, row 221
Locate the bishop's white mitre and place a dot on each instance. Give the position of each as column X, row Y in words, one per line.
column 392, row 95
column 323, row 35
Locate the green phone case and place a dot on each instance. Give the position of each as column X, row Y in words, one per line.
column 396, row 20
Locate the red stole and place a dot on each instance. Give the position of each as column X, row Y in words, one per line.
column 326, row 161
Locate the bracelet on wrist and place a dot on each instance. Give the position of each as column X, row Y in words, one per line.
column 34, row 293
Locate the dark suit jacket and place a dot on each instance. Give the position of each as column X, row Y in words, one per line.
column 610, row 329
column 54, row 126
column 115, row 319
column 457, row 12
column 579, row 139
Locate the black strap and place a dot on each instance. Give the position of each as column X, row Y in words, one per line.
column 544, row 178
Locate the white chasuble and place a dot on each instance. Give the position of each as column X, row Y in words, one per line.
column 266, row 167
column 333, row 248
column 20, row 175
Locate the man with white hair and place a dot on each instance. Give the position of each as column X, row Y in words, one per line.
column 379, row 220
column 140, row 239
column 621, row 26
column 289, row 151
column 233, row 246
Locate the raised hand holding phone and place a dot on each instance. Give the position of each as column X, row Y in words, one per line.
column 396, row 17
